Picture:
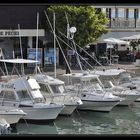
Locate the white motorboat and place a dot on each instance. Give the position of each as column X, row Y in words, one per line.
column 11, row 114
column 54, row 91
column 129, row 95
column 94, row 101
column 130, row 83
column 91, row 98
column 24, row 92
column 124, row 90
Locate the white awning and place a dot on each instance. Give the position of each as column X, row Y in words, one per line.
column 18, row 61
column 115, row 41
column 110, row 46
column 133, row 37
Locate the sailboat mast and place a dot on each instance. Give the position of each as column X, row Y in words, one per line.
column 37, row 44
column 68, row 25
column 54, row 45
column 20, row 41
column 22, row 65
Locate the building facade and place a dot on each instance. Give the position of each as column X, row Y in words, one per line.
column 18, row 27
column 124, row 21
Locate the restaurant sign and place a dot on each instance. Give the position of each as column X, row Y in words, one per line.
column 22, row 32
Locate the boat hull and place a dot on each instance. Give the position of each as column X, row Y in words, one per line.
column 11, row 118
column 70, row 102
column 68, row 109
column 129, row 99
column 41, row 114
column 102, row 106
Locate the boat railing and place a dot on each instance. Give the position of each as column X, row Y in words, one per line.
column 4, row 102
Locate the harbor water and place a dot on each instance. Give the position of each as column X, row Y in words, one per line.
column 121, row 120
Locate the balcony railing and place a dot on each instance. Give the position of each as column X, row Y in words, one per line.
column 120, row 23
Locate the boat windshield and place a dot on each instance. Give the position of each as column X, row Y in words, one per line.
column 43, row 87
column 58, row 88
column 7, row 95
column 23, row 95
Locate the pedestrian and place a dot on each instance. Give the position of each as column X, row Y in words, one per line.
column 134, row 54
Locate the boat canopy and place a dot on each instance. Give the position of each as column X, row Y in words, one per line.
column 109, row 72
column 82, row 76
column 18, row 61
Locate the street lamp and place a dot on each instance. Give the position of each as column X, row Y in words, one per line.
column 72, row 31
column 70, row 35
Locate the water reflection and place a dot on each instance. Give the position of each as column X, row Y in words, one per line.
column 23, row 128
column 121, row 120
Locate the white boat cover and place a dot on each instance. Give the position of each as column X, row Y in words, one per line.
column 82, row 76
column 109, row 72
column 18, row 61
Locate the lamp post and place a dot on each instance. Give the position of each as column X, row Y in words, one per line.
column 70, row 35
column 72, row 31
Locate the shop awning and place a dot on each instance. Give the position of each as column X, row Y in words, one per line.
column 115, row 41
column 133, row 37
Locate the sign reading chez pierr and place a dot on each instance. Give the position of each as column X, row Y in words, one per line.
column 23, row 33
column 9, row 33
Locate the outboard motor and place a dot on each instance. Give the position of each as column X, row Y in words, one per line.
column 4, row 127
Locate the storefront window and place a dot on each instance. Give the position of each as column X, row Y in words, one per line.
column 31, row 54
column 49, row 56
column 138, row 13
column 113, row 13
column 121, row 12
column 131, row 13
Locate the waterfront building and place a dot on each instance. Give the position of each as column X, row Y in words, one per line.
column 124, row 21
column 18, row 27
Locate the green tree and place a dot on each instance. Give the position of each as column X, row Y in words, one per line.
column 90, row 24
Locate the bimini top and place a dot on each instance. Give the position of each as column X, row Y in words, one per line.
column 48, row 79
column 82, row 76
column 18, row 61
column 109, row 72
